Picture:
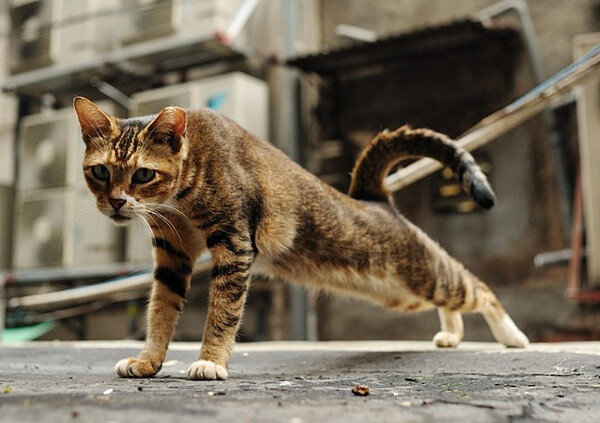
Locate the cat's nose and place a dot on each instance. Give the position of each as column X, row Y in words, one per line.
column 116, row 203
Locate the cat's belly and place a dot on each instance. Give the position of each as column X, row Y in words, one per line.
column 386, row 291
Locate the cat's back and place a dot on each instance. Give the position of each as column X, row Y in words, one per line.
column 212, row 133
column 206, row 126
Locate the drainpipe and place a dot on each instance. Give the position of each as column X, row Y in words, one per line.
column 285, row 96
column 2, row 306
column 521, row 11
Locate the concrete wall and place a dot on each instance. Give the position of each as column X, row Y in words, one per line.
column 498, row 245
column 555, row 21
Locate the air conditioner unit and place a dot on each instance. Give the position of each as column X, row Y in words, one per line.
column 51, row 149
column 34, row 39
column 151, row 19
column 9, row 108
column 7, row 156
column 241, row 97
column 45, row 32
column 4, row 43
column 62, row 228
column 6, row 203
column 88, row 29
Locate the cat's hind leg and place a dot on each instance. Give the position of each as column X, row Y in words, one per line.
column 502, row 326
column 452, row 328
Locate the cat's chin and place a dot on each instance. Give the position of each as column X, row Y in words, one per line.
column 120, row 220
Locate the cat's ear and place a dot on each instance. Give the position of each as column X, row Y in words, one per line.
column 168, row 127
column 93, row 121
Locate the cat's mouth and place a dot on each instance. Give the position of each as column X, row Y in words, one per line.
column 119, row 218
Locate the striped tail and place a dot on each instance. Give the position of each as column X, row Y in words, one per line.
column 389, row 148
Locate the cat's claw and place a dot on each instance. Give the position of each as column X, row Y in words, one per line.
column 446, row 339
column 135, row 367
column 207, row 370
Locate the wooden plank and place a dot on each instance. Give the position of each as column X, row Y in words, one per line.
column 588, row 122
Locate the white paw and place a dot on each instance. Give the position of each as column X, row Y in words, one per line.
column 507, row 333
column 207, row 370
column 446, row 339
column 135, row 367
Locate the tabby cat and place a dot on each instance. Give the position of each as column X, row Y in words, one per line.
column 201, row 182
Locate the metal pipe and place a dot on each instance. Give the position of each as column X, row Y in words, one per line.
column 356, row 33
column 2, row 307
column 288, row 140
column 70, row 297
column 575, row 264
column 49, row 274
column 555, row 258
column 76, row 296
column 240, row 20
column 521, row 10
column 111, row 92
column 507, row 118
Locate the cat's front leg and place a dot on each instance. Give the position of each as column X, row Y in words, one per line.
column 232, row 259
column 172, row 272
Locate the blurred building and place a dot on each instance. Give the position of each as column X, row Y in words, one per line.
column 317, row 78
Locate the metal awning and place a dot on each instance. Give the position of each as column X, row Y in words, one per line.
column 453, row 36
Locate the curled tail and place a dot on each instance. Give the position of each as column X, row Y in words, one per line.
column 388, row 148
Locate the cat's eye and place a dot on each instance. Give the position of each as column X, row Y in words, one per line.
column 143, row 175
column 101, row 172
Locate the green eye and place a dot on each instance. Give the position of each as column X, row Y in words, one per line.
column 101, row 172
column 143, row 175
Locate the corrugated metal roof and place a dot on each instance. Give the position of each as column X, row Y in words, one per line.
column 456, row 35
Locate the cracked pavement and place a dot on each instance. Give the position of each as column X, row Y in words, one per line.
column 304, row 382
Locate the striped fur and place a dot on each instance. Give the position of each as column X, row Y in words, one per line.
column 215, row 187
column 389, row 148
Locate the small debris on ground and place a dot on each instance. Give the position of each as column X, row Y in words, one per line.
column 108, row 391
column 215, row 394
column 170, row 363
column 361, row 390
column 8, row 389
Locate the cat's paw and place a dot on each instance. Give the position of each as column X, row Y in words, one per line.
column 507, row 333
column 446, row 339
column 515, row 340
column 135, row 367
column 207, row 370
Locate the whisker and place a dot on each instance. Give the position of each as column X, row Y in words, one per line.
column 170, row 225
column 169, row 207
column 149, row 216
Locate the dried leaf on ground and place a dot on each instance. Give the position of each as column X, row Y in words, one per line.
column 361, row 390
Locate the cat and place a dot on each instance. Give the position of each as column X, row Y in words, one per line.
column 203, row 183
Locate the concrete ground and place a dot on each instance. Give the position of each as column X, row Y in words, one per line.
column 306, row 382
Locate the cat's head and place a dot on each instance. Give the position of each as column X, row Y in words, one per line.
column 132, row 166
